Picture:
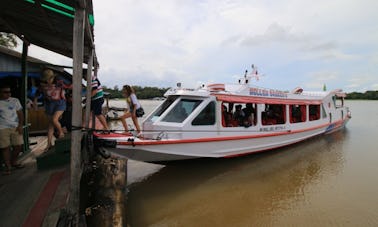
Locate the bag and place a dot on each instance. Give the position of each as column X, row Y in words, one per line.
column 139, row 112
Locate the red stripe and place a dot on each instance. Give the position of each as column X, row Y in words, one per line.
column 213, row 139
column 39, row 210
column 273, row 148
column 111, row 135
column 338, row 124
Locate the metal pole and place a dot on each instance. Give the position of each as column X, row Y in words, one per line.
column 76, row 135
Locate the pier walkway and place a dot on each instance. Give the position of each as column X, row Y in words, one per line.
column 32, row 197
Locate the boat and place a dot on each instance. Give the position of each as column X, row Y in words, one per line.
column 228, row 120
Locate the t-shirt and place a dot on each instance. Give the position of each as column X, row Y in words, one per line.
column 133, row 101
column 55, row 91
column 8, row 113
column 96, row 85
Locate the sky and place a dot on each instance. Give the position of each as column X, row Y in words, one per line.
column 292, row 42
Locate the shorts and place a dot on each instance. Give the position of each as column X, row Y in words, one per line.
column 96, row 106
column 10, row 137
column 55, row 105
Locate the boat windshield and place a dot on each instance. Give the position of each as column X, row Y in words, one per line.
column 181, row 110
column 163, row 107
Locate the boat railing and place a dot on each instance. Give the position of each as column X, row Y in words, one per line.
column 314, row 93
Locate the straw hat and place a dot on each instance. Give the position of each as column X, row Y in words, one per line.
column 47, row 75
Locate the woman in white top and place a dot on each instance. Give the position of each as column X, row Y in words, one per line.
column 134, row 104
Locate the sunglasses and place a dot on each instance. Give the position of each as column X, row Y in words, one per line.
column 6, row 92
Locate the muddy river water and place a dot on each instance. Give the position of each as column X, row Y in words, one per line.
column 326, row 181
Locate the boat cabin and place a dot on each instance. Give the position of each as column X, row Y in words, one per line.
column 217, row 112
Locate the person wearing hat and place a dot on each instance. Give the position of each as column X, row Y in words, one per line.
column 55, row 102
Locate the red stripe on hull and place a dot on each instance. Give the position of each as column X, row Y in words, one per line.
column 214, row 139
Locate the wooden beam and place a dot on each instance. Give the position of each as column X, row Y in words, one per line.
column 89, row 90
column 24, row 92
column 81, row 4
column 76, row 135
column 88, row 31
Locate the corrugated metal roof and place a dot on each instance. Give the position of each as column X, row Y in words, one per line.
column 47, row 23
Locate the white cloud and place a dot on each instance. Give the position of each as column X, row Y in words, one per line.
column 164, row 42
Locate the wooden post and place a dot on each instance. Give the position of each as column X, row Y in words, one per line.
column 89, row 90
column 76, row 135
column 108, row 193
column 85, row 153
column 93, row 115
column 24, row 96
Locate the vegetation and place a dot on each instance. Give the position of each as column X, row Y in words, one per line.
column 152, row 92
column 8, row 40
column 370, row 95
column 142, row 92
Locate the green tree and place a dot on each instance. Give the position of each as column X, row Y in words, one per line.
column 8, row 40
column 369, row 95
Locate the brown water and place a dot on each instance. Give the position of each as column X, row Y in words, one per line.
column 326, row 181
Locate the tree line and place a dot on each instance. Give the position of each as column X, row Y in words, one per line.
column 141, row 92
column 152, row 92
column 369, row 95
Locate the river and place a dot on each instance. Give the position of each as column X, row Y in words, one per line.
column 326, row 181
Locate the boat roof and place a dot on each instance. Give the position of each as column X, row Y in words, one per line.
column 243, row 93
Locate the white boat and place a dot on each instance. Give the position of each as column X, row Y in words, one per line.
column 204, row 122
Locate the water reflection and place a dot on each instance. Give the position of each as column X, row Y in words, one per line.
column 248, row 191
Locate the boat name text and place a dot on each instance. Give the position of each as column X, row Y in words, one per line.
column 267, row 93
column 272, row 128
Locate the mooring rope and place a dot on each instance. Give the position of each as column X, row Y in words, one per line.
column 75, row 128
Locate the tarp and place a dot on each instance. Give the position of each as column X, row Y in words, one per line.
column 18, row 74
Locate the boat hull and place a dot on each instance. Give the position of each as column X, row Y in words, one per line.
column 215, row 147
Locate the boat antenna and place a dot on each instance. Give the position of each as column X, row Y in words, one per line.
column 255, row 73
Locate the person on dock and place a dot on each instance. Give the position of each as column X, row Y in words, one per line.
column 11, row 128
column 134, row 104
column 97, row 100
column 55, row 103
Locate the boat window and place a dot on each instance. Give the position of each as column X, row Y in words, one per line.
column 273, row 114
column 314, row 112
column 324, row 113
column 339, row 102
column 243, row 115
column 182, row 110
column 297, row 113
column 207, row 115
column 163, row 107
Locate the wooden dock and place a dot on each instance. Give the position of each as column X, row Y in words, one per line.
column 37, row 194
column 30, row 197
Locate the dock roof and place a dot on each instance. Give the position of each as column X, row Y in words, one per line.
column 47, row 23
